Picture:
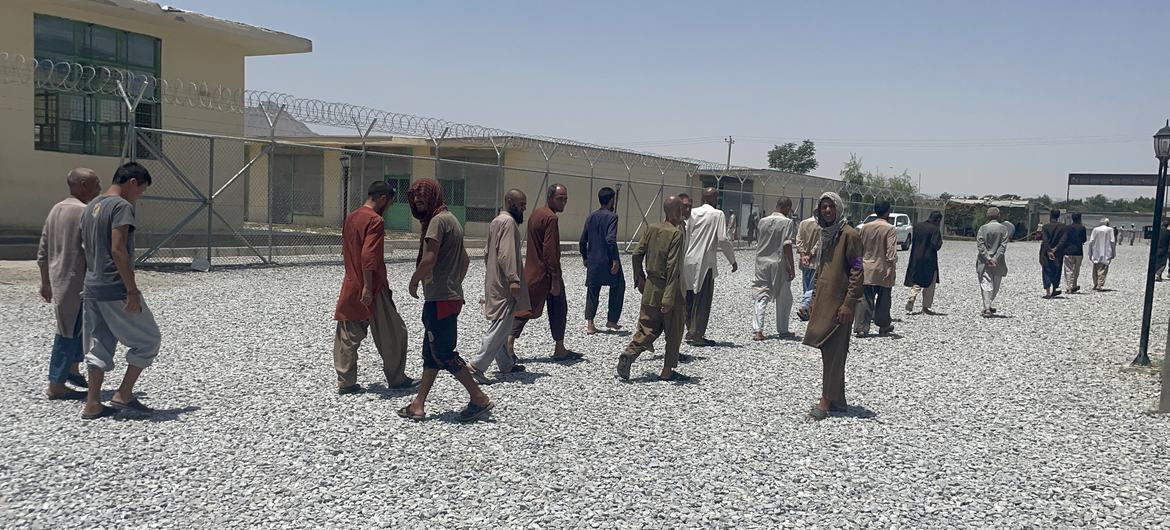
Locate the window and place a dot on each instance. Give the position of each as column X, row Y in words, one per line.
column 474, row 185
column 303, row 172
column 85, row 123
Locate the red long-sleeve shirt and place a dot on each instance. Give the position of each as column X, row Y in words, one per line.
column 363, row 244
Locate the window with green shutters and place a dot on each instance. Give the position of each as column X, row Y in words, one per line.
column 87, row 123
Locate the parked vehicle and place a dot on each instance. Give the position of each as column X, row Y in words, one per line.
column 903, row 228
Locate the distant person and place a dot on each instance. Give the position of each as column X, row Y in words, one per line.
column 880, row 259
column 1052, row 244
column 733, row 222
column 1011, row 230
column 838, row 290
column 808, row 246
column 542, row 270
column 603, row 264
column 114, row 310
column 658, row 262
column 991, row 261
column 1162, row 252
column 706, row 234
column 922, row 270
column 366, row 300
column 753, row 228
column 440, row 267
column 1074, row 252
column 775, row 270
column 1132, row 233
column 1102, row 249
column 504, row 290
column 61, row 260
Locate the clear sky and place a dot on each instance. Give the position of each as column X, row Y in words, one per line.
column 977, row 97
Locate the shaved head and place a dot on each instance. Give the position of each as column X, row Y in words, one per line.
column 672, row 207
column 83, row 184
column 710, row 196
column 513, row 196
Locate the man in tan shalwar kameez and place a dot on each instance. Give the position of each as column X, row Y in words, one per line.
column 504, row 289
column 62, row 263
column 838, row 289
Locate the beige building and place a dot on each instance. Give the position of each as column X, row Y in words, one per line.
column 75, row 128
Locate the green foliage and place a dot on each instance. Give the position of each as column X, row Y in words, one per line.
column 792, row 158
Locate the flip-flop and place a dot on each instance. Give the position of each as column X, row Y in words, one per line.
column 473, row 412
column 106, row 411
column 817, row 414
column 676, row 378
column 69, row 395
column 405, row 413
column 568, row 356
column 134, row 405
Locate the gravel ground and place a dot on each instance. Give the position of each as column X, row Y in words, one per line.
column 1026, row 421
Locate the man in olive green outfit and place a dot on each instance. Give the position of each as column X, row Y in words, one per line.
column 663, row 294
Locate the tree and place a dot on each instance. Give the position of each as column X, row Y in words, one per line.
column 789, row 157
column 852, row 173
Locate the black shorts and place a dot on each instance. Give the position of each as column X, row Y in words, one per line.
column 439, row 340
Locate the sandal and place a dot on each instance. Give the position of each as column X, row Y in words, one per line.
column 133, row 405
column 405, row 413
column 817, row 414
column 473, row 412
column 676, row 377
column 106, row 411
column 68, row 395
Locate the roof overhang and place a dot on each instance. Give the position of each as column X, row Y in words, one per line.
column 253, row 40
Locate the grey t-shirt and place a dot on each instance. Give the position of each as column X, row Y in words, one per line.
column 102, row 215
column 446, row 281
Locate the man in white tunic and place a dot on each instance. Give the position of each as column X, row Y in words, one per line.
column 991, row 264
column 775, row 269
column 706, row 233
column 504, row 290
column 1102, row 249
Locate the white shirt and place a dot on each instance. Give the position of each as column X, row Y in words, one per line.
column 706, row 233
column 1102, row 245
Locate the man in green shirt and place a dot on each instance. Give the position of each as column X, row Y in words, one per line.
column 661, row 250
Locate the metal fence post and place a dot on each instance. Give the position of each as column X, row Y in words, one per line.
column 210, row 194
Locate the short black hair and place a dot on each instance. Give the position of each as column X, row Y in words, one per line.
column 1054, row 215
column 881, row 207
column 682, row 196
column 552, row 190
column 132, row 170
column 604, row 195
column 380, row 188
column 783, row 202
column 935, row 216
column 1076, row 217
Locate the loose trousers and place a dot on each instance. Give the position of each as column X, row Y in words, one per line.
column 106, row 323
column 783, row 308
column 494, row 346
column 389, row 339
column 809, row 281
column 1051, row 272
column 875, row 308
column 558, row 316
column 617, row 296
column 652, row 323
column 989, row 282
column 1100, row 271
column 834, row 351
column 1072, row 271
column 700, row 303
column 927, row 296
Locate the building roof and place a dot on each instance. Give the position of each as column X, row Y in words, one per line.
column 992, row 202
column 256, row 124
column 253, row 40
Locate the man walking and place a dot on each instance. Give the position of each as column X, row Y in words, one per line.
column 775, row 269
column 542, row 269
column 112, row 304
column 603, row 265
column 440, row 267
column 880, row 259
column 838, row 290
column 504, row 289
column 61, row 260
column 1052, row 243
column 808, row 245
column 1162, row 250
column 366, row 300
column 1074, row 252
column 1102, row 249
column 662, row 291
column 922, row 271
column 706, row 232
column 991, row 262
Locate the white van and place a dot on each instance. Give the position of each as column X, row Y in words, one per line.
column 903, row 228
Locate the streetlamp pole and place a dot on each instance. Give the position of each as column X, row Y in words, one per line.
column 1162, row 152
column 345, row 162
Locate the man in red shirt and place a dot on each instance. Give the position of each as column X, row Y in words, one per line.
column 366, row 298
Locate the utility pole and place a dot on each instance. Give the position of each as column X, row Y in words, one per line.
column 729, row 141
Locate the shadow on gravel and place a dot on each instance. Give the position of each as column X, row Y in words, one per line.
column 614, row 332
column 158, row 415
column 523, row 378
column 685, row 358
column 385, row 392
column 856, row 411
column 452, row 416
column 716, row 344
column 652, row 377
column 550, row 360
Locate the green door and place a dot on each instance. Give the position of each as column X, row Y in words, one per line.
column 398, row 215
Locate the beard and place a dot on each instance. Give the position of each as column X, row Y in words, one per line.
column 516, row 214
column 417, row 214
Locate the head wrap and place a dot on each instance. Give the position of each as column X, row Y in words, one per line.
column 830, row 232
column 431, row 194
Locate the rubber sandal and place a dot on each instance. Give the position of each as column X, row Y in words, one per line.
column 676, row 378
column 473, row 412
column 69, row 395
column 106, row 411
column 817, row 414
column 134, row 405
column 405, row 413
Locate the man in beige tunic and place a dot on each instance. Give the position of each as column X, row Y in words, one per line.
column 504, row 290
column 879, row 261
column 838, row 289
column 62, row 263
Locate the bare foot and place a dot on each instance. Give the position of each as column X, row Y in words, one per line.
column 758, row 336
column 590, row 329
